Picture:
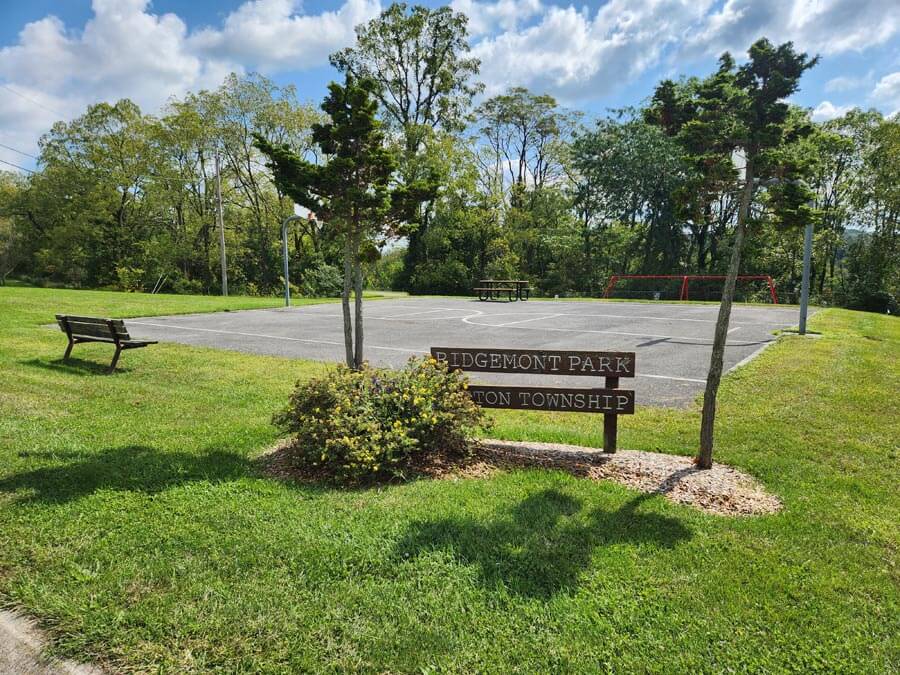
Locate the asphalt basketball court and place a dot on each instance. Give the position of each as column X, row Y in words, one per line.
column 672, row 341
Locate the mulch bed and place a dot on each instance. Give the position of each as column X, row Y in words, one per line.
column 721, row 490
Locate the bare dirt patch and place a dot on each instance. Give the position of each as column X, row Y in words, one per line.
column 722, row 490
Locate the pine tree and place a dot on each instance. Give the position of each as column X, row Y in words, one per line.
column 354, row 192
column 753, row 98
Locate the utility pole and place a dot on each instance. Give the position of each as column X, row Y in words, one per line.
column 221, row 224
column 804, row 288
column 284, row 253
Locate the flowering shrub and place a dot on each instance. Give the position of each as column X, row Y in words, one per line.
column 373, row 422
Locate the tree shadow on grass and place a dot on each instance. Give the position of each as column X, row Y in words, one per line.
column 543, row 546
column 131, row 468
column 74, row 366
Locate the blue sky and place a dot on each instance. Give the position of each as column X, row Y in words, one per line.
column 57, row 57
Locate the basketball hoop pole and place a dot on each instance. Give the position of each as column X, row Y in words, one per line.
column 804, row 288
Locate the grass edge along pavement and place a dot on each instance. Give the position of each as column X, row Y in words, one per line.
column 134, row 524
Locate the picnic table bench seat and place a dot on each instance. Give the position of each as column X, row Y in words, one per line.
column 490, row 292
column 94, row 329
column 491, row 289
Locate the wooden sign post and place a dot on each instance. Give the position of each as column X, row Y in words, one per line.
column 610, row 400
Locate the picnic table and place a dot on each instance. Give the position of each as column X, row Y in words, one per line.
column 493, row 289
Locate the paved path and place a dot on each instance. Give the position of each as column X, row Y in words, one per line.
column 22, row 648
column 672, row 341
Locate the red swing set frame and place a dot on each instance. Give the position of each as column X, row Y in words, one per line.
column 687, row 278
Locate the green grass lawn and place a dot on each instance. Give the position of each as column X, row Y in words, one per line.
column 135, row 525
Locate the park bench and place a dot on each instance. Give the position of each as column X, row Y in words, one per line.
column 91, row 329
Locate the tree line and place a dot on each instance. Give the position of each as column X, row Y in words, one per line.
column 509, row 186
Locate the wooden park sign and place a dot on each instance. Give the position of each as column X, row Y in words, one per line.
column 609, row 400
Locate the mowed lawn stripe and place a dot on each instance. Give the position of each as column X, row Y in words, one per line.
column 135, row 524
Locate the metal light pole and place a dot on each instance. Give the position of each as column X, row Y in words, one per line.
column 221, row 224
column 807, row 256
column 284, row 252
column 804, row 288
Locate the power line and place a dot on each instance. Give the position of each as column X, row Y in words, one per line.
column 18, row 167
column 151, row 176
column 31, row 100
column 21, row 152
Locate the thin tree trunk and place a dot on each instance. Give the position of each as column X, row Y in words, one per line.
column 345, row 304
column 707, row 422
column 358, row 292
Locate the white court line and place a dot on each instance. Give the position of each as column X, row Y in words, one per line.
column 423, row 318
column 277, row 337
column 639, row 316
column 536, row 318
column 402, row 317
column 405, row 350
column 426, row 311
column 574, row 330
column 604, row 332
column 731, row 330
column 669, row 377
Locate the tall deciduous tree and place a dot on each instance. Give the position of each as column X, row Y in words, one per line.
column 754, row 97
column 629, row 173
column 527, row 136
column 420, row 60
column 354, row 192
column 11, row 253
column 418, row 57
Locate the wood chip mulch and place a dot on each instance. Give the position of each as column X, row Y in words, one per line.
column 721, row 490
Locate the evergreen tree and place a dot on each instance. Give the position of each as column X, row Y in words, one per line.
column 753, row 100
column 354, row 193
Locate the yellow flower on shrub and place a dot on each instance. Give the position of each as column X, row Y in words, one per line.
column 374, row 422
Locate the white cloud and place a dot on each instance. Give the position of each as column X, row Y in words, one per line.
column 887, row 92
column 561, row 47
column 485, row 17
column 24, row 115
column 846, row 83
column 827, row 110
column 125, row 50
column 270, row 34
column 574, row 54
column 821, row 26
column 122, row 51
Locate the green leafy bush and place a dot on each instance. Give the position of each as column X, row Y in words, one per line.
column 371, row 423
column 445, row 276
column 131, row 279
column 322, row 280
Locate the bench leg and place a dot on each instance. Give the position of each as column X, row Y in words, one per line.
column 69, row 350
column 112, row 366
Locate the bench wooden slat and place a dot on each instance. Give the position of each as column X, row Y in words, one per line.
column 98, row 330
column 91, row 319
column 92, row 326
